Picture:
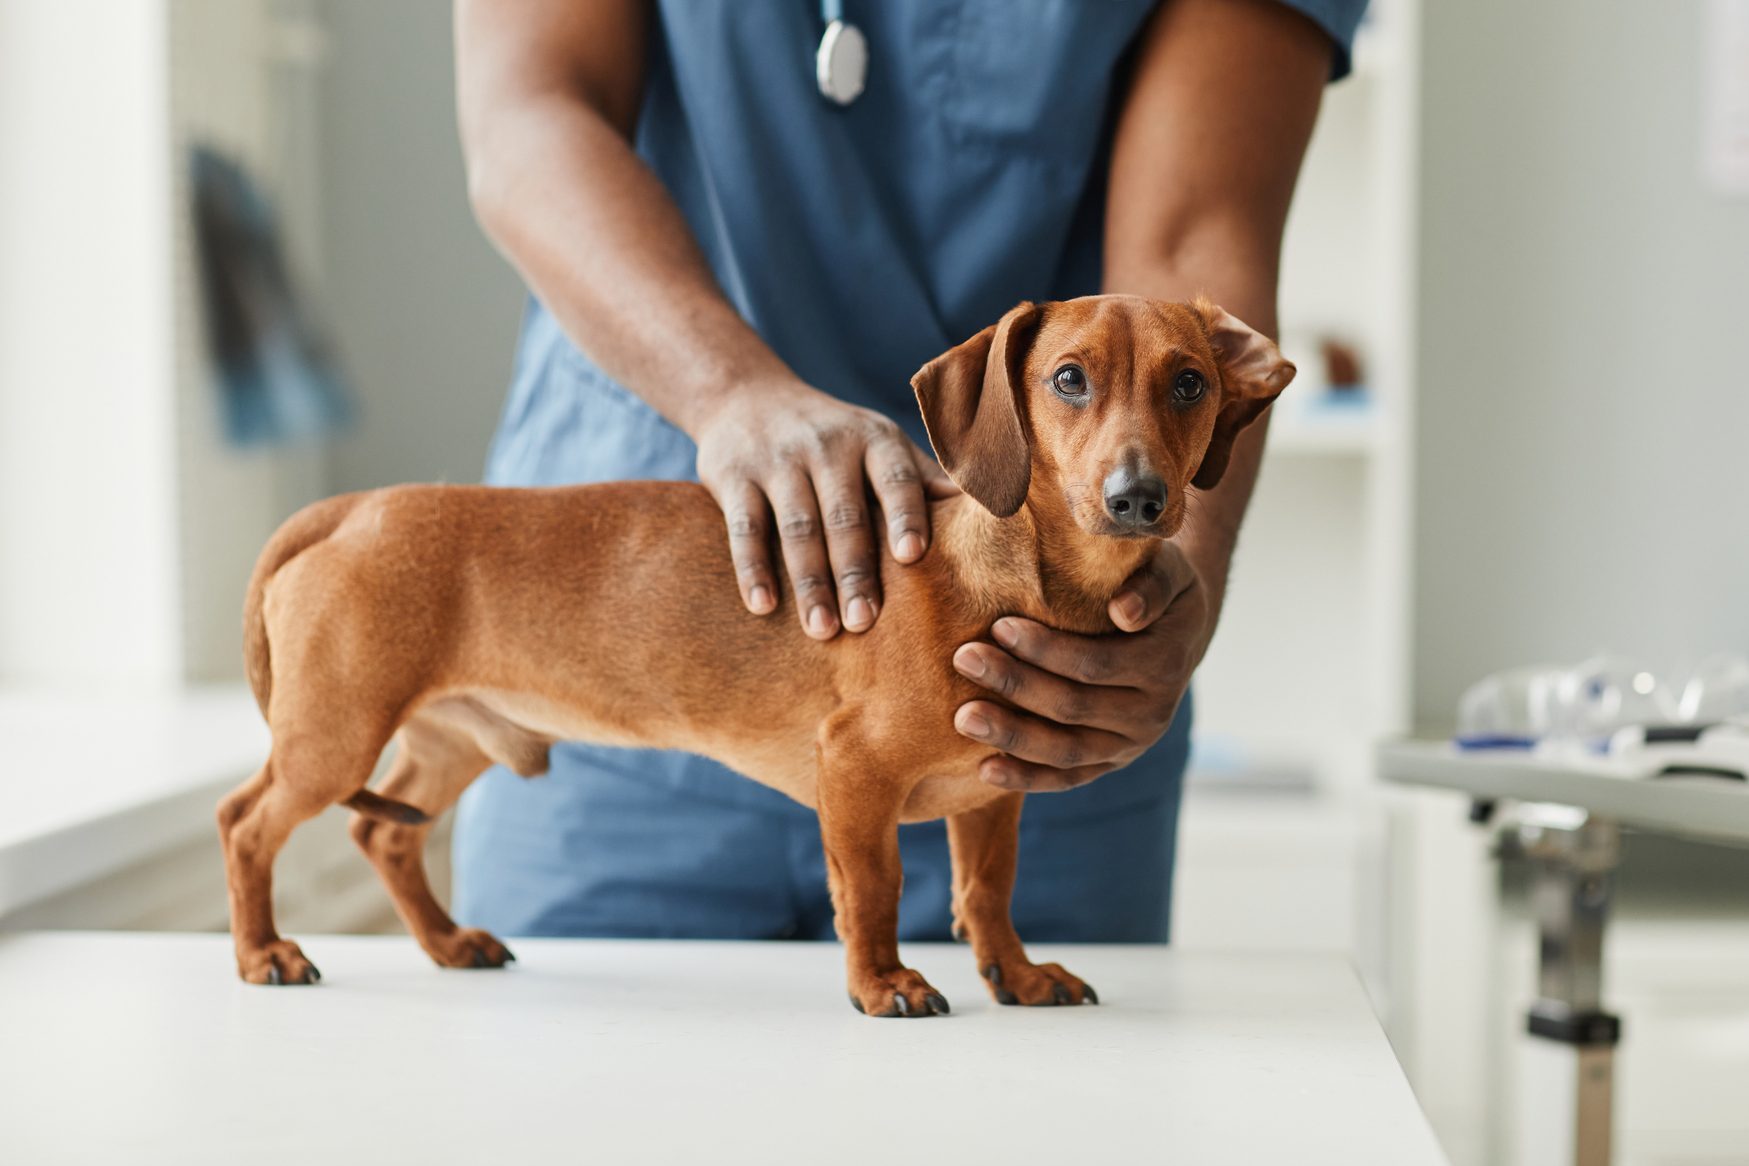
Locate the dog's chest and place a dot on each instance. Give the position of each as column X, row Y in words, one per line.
column 946, row 795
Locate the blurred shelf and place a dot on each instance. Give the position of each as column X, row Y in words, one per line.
column 1225, row 763
column 1325, row 432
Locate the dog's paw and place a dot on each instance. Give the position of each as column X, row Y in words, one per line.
column 898, row 993
column 468, row 947
column 1020, row 982
column 279, row 962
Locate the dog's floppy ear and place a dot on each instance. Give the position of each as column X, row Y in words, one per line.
column 1253, row 374
column 973, row 406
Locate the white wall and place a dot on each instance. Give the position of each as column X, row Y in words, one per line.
column 88, row 553
column 1583, row 446
column 1582, row 425
column 424, row 311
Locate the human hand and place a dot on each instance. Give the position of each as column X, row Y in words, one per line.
column 795, row 456
column 1086, row 705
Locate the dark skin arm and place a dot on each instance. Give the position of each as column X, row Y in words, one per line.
column 1208, row 149
column 548, row 96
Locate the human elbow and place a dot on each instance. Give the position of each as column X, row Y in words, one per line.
column 490, row 177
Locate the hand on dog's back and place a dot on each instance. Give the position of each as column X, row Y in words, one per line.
column 793, row 467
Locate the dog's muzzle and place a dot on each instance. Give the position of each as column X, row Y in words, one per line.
column 1134, row 499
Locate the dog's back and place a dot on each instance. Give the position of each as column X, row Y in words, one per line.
column 606, row 613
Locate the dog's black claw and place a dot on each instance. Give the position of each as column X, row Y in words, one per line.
column 1088, row 995
column 857, row 1004
column 480, row 960
column 901, row 1005
column 959, row 931
column 273, row 976
column 314, row 976
column 993, row 973
column 509, row 956
column 1060, row 993
column 938, row 1002
column 1004, row 996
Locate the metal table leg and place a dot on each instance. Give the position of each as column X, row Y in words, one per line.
column 1573, row 857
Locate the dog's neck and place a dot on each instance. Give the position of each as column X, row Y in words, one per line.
column 1039, row 563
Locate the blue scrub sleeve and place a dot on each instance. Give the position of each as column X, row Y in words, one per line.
column 1339, row 18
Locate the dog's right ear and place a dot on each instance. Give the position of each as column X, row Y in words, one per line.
column 974, row 409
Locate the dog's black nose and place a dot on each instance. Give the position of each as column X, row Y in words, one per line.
column 1134, row 499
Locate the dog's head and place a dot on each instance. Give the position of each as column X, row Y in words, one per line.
column 1114, row 405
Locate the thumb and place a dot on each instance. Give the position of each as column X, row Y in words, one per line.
column 1147, row 594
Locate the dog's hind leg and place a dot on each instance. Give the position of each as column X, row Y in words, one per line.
column 985, row 842
column 254, row 822
column 434, row 762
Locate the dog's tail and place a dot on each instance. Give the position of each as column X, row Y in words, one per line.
column 301, row 531
column 386, row 809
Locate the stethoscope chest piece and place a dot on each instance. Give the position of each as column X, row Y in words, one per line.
column 841, row 66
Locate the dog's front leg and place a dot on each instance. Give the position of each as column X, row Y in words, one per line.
column 859, row 825
column 985, row 844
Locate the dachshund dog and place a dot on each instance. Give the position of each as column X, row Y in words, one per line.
column 476, row 626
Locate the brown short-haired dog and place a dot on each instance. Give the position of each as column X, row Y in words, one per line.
column 477, row 626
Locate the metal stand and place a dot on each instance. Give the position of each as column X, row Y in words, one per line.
column 1573, row 856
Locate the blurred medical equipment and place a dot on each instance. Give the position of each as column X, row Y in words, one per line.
column 841, row 64
column 1606, row 703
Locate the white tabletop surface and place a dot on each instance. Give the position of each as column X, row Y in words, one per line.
column 1621, row 791
column 144, row 1049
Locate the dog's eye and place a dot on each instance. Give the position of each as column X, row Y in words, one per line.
column 1070, row 382
column 1189, row 386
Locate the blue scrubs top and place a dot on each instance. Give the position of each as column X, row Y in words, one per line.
column 859, row 242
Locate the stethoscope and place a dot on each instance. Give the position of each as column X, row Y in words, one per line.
column 841, row 65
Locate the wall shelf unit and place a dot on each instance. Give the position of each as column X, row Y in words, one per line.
column 1310, row 664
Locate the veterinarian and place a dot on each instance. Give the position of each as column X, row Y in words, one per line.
column 745, row 225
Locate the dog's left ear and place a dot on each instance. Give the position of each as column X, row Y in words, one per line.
column 1253, row 374
column 974, row 409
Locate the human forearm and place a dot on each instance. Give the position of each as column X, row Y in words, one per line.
column 556, row 185
column 548, row 98
column 1204, row 164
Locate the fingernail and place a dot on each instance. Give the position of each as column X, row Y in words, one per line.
column 859, row 614
column 1130, row 606
column 910, row 546
column 820, row 620
column 975, row 725
column 1005, row 633
column 760, row 597
column 969, row 662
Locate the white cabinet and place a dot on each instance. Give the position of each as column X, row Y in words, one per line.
column 1310, row 659
column 1310, row 664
